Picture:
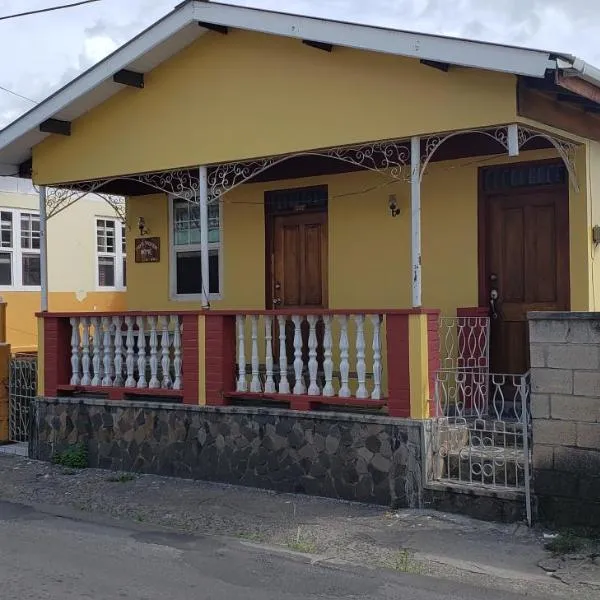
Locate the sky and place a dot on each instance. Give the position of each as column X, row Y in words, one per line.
column 43, row 52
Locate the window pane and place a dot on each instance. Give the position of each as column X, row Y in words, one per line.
column 105, row 235
column 189, row 277
column 30, row 231
column 124, row 271
column 186, row 223
column 31, row 269
column 5, row 268
column 6, row 229
column 123, row 240
column 106, row 271
column 189, row 280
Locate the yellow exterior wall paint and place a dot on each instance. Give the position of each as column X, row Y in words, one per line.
column 418, row 360
column 369, row 251
column 201, row 360
column 40, row 357
column 71, row 269
column 246, row 94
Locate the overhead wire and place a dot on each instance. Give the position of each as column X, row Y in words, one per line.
column 46, row 10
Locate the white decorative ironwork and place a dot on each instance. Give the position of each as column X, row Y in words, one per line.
column 485, row 443
column 385, row 157
column 464, row 342
column 566, row 150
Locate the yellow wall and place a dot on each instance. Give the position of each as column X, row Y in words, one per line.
column 71, row 269
column 243, row 95
column 593, row 181
column 369, row 251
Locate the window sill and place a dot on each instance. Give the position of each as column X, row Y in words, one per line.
column 194, row 297
column 110, row 289
column 20, row 288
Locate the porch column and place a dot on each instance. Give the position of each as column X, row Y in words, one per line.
column 204, row 263
column 415, row 204
column 43, row 250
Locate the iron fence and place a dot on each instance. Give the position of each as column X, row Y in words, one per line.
column 22, row 390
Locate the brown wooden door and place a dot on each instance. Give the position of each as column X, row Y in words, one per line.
column 527, row 242
column 300, row 261
column 299, row 273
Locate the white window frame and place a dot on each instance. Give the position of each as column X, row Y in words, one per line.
column 17, row 252
column 173, row 249
column 118, row 255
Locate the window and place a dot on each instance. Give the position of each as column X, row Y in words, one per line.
column 111, row 253
column 186, row 254
column 19, row 249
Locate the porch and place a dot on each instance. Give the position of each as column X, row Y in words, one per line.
column 384, row 361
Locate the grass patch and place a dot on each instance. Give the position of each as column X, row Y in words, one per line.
column 573, row 541
column 121, row 478
column 403, row 562
column 250, row 536
column 301, row 544
column 73, row 457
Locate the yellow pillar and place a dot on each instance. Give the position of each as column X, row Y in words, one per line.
column 418, row 360
column 4, row 373
column 40, row 358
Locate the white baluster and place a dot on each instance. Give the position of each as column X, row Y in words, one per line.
column 344, row 364
column 255, row 382
column 97, row 351
column 154, row 382
column 142, row 361
column 270, row 382
column 361, row 366
column 313, row 365
column 242, row 383
column 327, row 360
column 86, row 378
column 284, row 385
column 75, row 377
column 376, row 393
column 118, row 362
column 165, row 361
column 177, row 361
column 130, row 358
column 106, row 344
column 299, row 387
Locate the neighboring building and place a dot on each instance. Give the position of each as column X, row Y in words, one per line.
column 355, row 179
column 86, row 245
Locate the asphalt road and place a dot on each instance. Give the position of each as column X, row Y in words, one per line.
column 45, row 556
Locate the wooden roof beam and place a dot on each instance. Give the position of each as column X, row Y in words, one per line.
column 318, row 45
column 56, row 126
column 131, row 78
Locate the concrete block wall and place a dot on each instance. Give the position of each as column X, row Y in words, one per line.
column 565, row 407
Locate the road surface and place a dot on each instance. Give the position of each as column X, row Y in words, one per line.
column 45, row 556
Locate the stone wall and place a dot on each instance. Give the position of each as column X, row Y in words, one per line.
column 353, row 457
column 565, row 405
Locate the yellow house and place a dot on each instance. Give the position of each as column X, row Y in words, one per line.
column 80, row 259
column 304, row 197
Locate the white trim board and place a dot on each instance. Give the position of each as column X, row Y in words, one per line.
column 179, row 28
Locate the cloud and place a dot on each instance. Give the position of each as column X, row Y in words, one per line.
column 47, row 51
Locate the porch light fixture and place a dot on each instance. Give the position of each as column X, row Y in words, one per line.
column 393, row 205
column 142, row 226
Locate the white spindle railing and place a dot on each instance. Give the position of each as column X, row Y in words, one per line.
column 113, row 351
column 318, row 355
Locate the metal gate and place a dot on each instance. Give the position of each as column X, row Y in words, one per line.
column 482, row 426
column 22, row 389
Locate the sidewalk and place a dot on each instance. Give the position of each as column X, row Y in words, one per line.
column 504, row 557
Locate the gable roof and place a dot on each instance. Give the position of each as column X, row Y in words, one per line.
column 193, row 18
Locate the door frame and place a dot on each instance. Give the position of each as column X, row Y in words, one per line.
column 483, row 220
column 270, row 216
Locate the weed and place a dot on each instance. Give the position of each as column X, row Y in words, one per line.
column 68, row 472
column 404, row 562
column 250, row 536
column 74, row 457
column 302, row 545
column 571, row 541
column 121, row 478
column 139, row 518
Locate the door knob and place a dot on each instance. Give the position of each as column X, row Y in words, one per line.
column 493, row 303
column 276, row 301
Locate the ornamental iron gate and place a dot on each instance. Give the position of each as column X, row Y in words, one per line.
column 481, row 425
column 22, row 388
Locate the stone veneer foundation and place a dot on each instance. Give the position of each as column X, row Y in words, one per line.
column 347, row 456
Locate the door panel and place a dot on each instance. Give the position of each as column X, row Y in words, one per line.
column 527, row 260
column 299, row 273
